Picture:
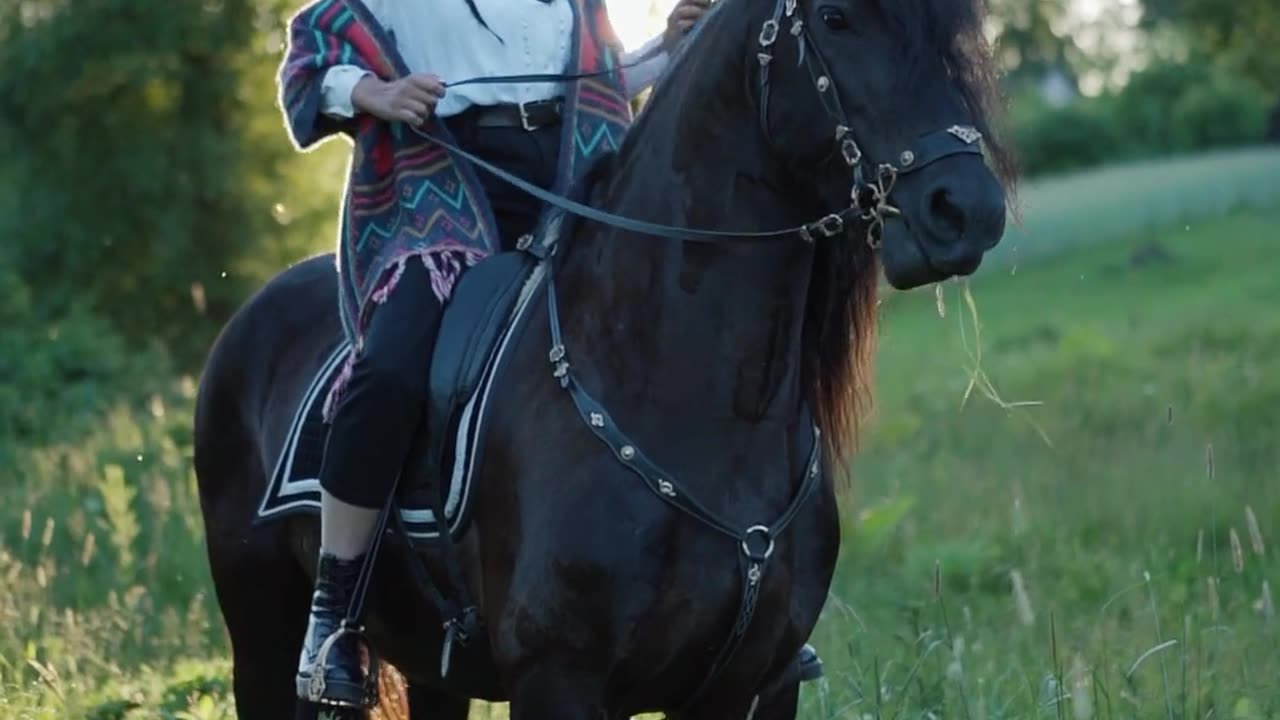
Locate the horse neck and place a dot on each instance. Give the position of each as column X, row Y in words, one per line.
column 693, row 328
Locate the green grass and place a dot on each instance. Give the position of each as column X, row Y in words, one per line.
column 1097, row 205
column 1147, row 356
column 1143, row 352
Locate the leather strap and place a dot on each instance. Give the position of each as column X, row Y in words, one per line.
column 527, row 116
column 826, row 227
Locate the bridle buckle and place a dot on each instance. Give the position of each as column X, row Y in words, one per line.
column 831, row 226
column 851, row 152
column 769, row 33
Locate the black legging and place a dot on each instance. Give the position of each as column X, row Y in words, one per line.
column 382, row 405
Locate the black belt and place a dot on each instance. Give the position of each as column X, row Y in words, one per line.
column 529, row 116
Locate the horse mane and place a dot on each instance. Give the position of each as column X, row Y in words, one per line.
column 838, row 338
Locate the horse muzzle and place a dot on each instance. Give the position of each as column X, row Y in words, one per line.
column 953, row 213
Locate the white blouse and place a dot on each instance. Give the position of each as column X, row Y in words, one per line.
column 442, row 37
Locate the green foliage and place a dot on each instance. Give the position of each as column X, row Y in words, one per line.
column 1029, row 38
column 1077, row 136
column 1190, row 106
column 1240, row 35
column 144, row 157
column 1168, row 108
column 1227, row 112
column 1029, row 574
column 59, row 372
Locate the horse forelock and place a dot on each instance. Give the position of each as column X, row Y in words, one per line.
column 955, row 30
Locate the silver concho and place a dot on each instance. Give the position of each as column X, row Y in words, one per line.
column 968, row 134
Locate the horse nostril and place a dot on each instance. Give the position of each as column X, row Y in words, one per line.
column 945, row 213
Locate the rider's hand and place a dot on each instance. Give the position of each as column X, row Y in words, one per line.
column 682, row 19
column 410, row 99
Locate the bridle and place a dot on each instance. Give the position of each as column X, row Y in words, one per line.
column 868, row 198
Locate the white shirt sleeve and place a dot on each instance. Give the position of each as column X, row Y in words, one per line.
column 340, row 80
column 336, row 88
column 646, row 73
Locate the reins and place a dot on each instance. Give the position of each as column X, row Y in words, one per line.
column 828, row 226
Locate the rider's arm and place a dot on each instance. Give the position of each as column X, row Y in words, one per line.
column 336, row 89
column 652, row 58
column 340, row 80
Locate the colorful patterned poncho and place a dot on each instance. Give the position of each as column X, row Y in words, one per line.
column 407, row 197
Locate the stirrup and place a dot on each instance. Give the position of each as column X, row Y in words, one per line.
column 313, row 688
column 810, row 664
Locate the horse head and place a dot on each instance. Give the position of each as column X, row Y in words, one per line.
column 874, row 115
column 882, row 107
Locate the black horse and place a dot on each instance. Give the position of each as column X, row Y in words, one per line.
column 605, row 588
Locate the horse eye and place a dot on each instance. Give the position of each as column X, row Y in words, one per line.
column 834, row 19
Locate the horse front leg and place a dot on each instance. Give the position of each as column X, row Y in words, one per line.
column 552, row 692
column 426, row 703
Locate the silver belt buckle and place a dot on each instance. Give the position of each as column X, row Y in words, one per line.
column 524, row 118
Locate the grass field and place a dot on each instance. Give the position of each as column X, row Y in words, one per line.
column 1096, row 205
column 1103, row 552
column 1085, row 536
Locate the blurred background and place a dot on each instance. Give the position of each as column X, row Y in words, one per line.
column 1063, row 504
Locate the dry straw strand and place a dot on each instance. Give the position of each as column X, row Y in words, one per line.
column 1255, row 533
column 1143, row 657
column 86, row 553
column 1265, row 604
column 47, row 538
column 1211, row 585
column 1022, row 601
column 978, row 379
column 1081, row 689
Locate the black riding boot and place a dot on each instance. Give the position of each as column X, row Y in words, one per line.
column 330, row 671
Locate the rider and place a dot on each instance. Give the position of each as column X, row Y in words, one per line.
column 368, row 68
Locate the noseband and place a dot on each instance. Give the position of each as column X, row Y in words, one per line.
column 868, row 199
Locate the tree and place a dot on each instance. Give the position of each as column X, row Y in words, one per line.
column 1242, row 34
column 1031, row 38
column 143, row 153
